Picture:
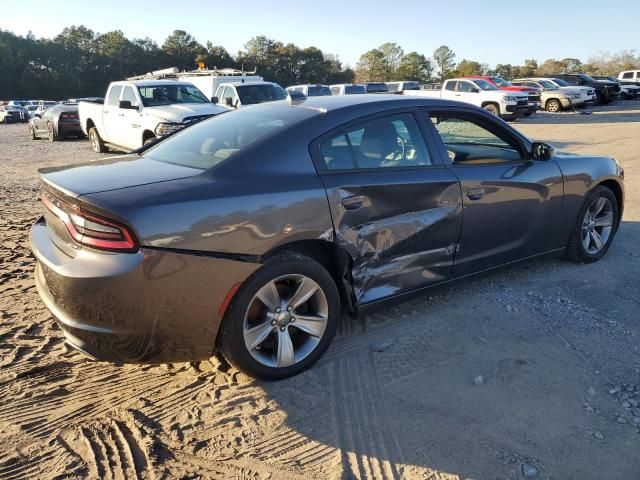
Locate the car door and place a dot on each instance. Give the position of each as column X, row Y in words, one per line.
column 510, row 202
column 130, row 128
column 466, row 92
column 111, row 115
column 395, row 210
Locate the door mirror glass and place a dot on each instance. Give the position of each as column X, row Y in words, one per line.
column 541, row 151
column 214, row 99
column 126, row 105
column 475, row 90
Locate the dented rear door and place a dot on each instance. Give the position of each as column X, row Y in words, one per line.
column 399, row 225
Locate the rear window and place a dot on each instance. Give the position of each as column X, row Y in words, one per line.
column 318, row 91
column 354, row 89
column 377, row 87
column 114, row 95
column 211, row 142
column 252, row 94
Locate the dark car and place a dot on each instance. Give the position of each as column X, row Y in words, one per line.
column 13, row 114
column 627, row 91
column 55, row 123
column 605, row 91
column 249, row 232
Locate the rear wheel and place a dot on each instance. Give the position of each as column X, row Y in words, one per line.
column 493, row 109
column 32, row 132
column 51, row 132
column 595, row 227
column 96, row 142
column 553, row 105
column 282, row 319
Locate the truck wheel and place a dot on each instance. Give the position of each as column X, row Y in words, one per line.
column 553, row 105
column 96, row 142
column 493, row 109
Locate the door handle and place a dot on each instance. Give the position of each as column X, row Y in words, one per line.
column 121, row 114
column 354, row 202
column 475, row 193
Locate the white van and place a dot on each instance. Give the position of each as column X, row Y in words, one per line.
column 631, row 76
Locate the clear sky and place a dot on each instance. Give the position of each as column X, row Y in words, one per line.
column 488, row 32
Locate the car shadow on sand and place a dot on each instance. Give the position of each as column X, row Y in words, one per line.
column 476, row 386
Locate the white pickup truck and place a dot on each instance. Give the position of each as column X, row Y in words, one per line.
column 506, row 104
column 137, row 112
column 240, row 94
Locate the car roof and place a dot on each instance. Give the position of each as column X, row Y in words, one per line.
column 150, row 83
column 240, row 84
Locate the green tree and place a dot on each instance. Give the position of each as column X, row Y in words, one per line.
column 372, row 67
column 445, row 61
column 183, row 49
column 504, row 71
column 218, row 56
column 467, row 68
column 392, row 55
column 415, row 66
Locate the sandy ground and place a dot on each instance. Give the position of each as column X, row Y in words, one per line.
column 534, row 370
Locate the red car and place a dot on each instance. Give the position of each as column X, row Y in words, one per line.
column 502, row 84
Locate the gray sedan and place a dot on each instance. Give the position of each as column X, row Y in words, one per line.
column 251, row 232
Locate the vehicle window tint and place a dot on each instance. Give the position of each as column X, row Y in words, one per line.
column 450, row 86
column 228, row 95
column 464, row 87
column 336, row 153
column 468, row 141
column 114, row 95
column 394, row 141
column 129, row 95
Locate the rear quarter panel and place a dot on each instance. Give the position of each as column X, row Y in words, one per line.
column 90, row 111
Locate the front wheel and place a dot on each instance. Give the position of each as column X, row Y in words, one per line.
column 553, row 105
column 595, row 227
column 32, row 133
column 282, row 319
column 493, row 109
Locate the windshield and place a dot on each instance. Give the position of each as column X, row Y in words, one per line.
column 211, row 142
column 252, row 94
column 501, row 82
column 157, row 95
column 548, row 85
column 586, row 77
column 318, row 91
column 560, row 82
column 354, row 89
column 484, row 85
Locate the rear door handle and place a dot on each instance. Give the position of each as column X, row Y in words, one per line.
column 354, row 202
column 475, row 193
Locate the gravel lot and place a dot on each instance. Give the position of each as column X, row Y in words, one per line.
column 533, row 372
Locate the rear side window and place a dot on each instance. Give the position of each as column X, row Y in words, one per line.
column 211, row 142
column 465, row 87
column 114, row 95
column 393, row 141
column 450, row 86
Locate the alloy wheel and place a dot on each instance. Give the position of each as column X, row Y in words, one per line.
column 597, row 225
column 285, row 321
column 50, row 131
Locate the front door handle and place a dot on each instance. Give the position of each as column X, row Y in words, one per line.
column 354, row 202
column 475, row 193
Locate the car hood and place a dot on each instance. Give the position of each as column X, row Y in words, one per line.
column 113, row 174
column 179, row 111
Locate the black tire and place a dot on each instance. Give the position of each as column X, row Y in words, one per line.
column 32, row 133
column 231, row 342
column 575, row 248
column 553, row 105
column 493, row 109
column 52, row 135
column 97, row 144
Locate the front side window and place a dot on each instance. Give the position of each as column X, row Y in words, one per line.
column 114, row 95
column 465, row 87
column 468, row 141
column 169, row 94
column 501, row 82
column 484, row 85
column 130, row 95
column 393, row 141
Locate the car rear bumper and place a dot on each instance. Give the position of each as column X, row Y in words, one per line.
column 69, row 129
column 150, row 306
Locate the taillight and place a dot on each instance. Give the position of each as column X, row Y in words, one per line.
column 68, row 115
column 90, row 229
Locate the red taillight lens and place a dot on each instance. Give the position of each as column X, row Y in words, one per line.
column 89, row 229
column 68, row 115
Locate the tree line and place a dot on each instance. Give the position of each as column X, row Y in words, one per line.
column 80, row 62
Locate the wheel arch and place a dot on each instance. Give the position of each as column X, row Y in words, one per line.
column 147, row 134
column 615, row 187
column 89, row 124
column 490, row 102
column 331, row 256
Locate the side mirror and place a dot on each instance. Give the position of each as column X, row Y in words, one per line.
column 215, row 99
column 475, row 90
column 542, row 151
column 39, row 115
column 236, row 103
column 228, row 102
column 126, row 105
